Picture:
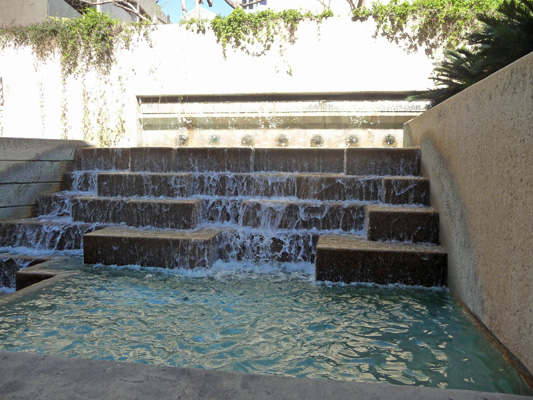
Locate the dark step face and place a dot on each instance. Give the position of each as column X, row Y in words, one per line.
column 325, row 187
column 10, row 264
column 191, row 159
column 403, row 224
column 402, row 190
column 164, row 249
column 55, row 205
column 299, row 160
column 383, row 162
column 348, row 259
column 171, row 214
column 144, row 185
column 254, row 245
column 80, row 181
column 43, row 235
column 291, row 215
column 102, row 159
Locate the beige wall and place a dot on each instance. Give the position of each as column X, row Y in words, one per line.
column 22, row 12
column 477, row 148
column 181, row 62
column 29, row 168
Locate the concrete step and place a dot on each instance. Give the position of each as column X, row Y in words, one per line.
column 299, row 160
column 154, row 248
column 261, row 246
column 346, row 258
column 10, row 264
column 336, row 187
column 191, row 159
column 80, row 181
column 405, row 190
column 44, row 234
column 302, row 215
column 383, row 162
column 102, row 159
column 157, row 213
column 129, row 184
column 55, row 204
column 404, row 224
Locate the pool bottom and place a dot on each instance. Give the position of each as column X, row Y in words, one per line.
column 264, row 320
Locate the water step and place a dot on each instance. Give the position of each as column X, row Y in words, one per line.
column 336, row 187
column 10, row 264
column 55, row 204
column 346, row 258
column 144, row 184
column 405, row 190
column 260, row 246
column 299, row 160
column 404, row 224
column 102, row 159
column 383, row 162
column 43, row 234
column 191, row 159
column 297, row 215
column 157, row 213
column 80, row 181
column 155, row 248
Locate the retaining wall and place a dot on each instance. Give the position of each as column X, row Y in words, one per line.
column 29, row 168
column 336, row 56
column 477, row 148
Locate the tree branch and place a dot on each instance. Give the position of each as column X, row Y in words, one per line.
column 124, row 4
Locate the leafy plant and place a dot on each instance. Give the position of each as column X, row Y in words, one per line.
column 88, row 41
column 255, row 33
column 427, row 24
column 504, row 38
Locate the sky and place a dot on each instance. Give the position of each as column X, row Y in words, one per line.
column 173, row 8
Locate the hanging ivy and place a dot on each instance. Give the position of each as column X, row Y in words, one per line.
column 82, row 43
column 255, row 33
column 427, row 24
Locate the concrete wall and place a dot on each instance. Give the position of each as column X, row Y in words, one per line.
column 477, row 148
column 337, row 56
column 29, row 168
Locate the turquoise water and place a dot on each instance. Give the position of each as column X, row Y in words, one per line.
column 268, row 320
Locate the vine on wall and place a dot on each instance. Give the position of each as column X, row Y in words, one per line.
column 255, row 33
column 427, row 24
column 84, row 44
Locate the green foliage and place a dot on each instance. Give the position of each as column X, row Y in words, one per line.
column 504, row 38
column 255, row 33
column 427, row 24
column 89, row 41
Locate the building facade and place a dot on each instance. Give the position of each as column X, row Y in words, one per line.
column 25, row 12
column 339, row 7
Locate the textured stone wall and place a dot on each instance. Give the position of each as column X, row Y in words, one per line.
column 30, row 167
column 477, row 149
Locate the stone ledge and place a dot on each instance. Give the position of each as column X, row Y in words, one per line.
column 40, row 377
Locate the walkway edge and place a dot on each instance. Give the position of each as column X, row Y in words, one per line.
column 40, row 377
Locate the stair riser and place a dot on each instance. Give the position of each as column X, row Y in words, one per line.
column 80, row 181
column 102, row 159
column 184, row 215
column 383, row 162
column 352, row 161
column 405, row 191
column 57, row 205
column 144, row 185
column 162, row 253
column 349, row 266
column 414, row 227
column 255, row 246
column 41, row 237
column 294, row 216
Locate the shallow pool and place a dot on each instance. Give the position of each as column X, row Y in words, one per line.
column 267, row 320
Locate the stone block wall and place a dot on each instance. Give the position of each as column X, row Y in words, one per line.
column 30, row 167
